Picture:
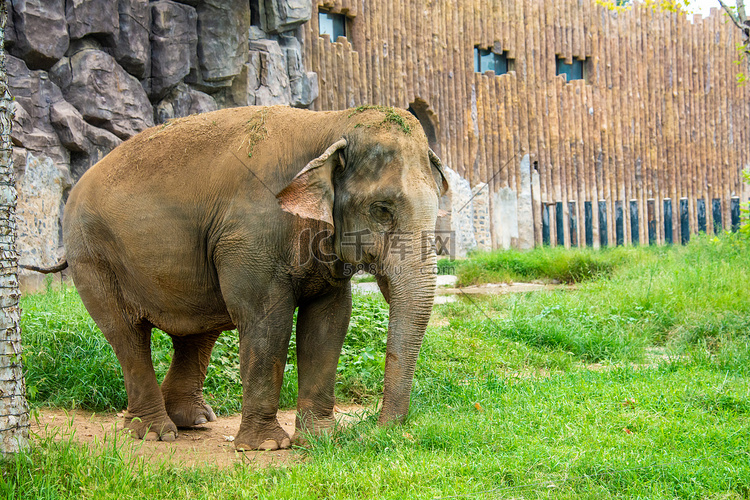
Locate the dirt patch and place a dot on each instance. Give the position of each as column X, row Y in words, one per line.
column 209, row 444
column 501, row 288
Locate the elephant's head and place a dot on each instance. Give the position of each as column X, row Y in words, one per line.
column 378, row 185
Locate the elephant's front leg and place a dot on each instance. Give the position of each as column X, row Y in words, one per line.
column 264, row 340
column 321, row 327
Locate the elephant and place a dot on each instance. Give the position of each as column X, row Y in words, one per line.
column 236, row 218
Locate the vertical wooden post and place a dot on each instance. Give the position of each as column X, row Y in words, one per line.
column 634, row 229
column 668, row 228
column 684, row 221
column 701, row 209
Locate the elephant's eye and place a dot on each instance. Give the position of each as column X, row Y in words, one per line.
column 381, row 213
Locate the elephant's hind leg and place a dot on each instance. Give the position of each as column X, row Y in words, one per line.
column 147, row 417
column 182, row 387
column 131, row 340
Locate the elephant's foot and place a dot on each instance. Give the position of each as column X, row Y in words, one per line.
column 159, row 428
column 268, row 436
column 189, row 412
column 310, row 424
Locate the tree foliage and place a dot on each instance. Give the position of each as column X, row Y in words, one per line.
column 738, row 15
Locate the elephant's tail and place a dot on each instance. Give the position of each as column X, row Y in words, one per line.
column 63, row 264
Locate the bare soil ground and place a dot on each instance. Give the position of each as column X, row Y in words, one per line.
column 208, row 444
column 502, row 288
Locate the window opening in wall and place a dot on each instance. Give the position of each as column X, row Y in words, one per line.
column 254, row 13
column 574, row 71
column 331, row 24
column 489, row 60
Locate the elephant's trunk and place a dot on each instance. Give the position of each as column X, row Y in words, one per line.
column 409, row 285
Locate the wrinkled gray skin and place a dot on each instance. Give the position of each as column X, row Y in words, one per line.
column 204, row 225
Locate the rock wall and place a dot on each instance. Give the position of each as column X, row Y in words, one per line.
column 84, row 80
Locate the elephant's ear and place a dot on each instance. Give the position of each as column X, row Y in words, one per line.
column 310, row 194
column 438, row 173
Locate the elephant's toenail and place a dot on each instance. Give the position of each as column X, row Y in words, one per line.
column 168, row 436
column 151, row 436
column 286, row 443
column 200, row 420
column 269, row 445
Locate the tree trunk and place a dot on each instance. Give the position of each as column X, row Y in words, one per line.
column 14, row 413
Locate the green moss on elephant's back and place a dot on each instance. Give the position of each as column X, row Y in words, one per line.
column 391, row 116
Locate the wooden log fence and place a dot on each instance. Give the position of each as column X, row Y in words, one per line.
column 648, row 148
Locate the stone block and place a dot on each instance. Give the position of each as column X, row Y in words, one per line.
column 525, row 206
column 183, row 101
column 222, row 38
column 238, row 94
column 303, row 86
column 133, row 48
column 104, row 93
column 461, row 212
column 505, row 218
column 256, row 33
column 40, row 32
column 93, row 18
column 174, row 45
column 305, row 90
column 79, row 136
column 40, row 196
column 268, row 80
column 481, row 216
column 34, row 93
column 279, row 16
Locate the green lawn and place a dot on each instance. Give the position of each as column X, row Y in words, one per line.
column 636, row 384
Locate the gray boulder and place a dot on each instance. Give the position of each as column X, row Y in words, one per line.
column 183, row 101
column 93, row 17
column 222, row 38
column 303, row 85
column 133, row 48
column 239, row 93
column 34, row 94
column 92, row 143
column 40, row 32
column 174, row 41
column 40, row 185
column 285, row 15
column 104, row 93
column 268, row 80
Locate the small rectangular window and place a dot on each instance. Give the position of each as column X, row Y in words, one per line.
column 332, row 24
column 574, row 71
column 487, row 60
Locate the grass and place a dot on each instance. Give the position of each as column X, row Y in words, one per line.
column 391, row 116
column 69, row 364
column 545, row 264
column 636, row 384
column 256, row 130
